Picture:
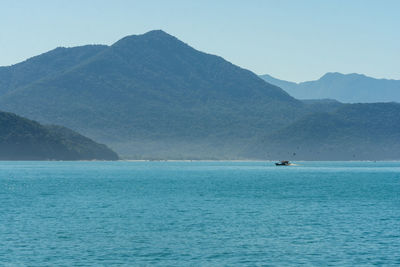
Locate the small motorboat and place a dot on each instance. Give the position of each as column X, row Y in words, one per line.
column 283, row 163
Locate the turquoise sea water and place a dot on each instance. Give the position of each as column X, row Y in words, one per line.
column 199, row 213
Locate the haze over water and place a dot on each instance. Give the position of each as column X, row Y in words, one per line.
column 199, row 213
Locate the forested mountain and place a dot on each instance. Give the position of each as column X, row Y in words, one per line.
column 351, row 132
column 23, row 139
column 45, row 65
column 347, row 88
column 152, row 96
column 322, row 105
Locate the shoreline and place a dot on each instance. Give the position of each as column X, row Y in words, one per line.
column 196, row 160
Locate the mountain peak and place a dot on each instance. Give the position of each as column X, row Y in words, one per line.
column 150, row 35
column 336, row 75
column 158, row 32
column 331, row 75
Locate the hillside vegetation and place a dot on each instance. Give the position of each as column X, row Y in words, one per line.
column 352, row 132
column 23, row 139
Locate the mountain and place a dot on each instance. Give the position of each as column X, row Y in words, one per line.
column 151, row 96
column 280, row 83
column 322, row 105
column 45, row 65
column 347, row 88
column 352, row 132
column 23, row 139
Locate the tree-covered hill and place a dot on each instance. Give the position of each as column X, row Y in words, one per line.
column 352, row 132
column 152, row 95
column 23, row 139
column 45, row 65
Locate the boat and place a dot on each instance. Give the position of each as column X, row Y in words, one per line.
column 283, row 163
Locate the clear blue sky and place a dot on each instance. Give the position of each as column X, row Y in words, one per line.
column 294, row 40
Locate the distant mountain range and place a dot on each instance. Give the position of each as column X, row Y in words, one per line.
column 346, row 88
column 152, row 96
column 23, row 139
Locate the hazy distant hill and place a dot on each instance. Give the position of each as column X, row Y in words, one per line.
column 23, row 139
column 322, row 105
column 352, row 132
column 153, row 96
column 347, row 88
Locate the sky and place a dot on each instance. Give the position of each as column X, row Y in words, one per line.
column 295, row 40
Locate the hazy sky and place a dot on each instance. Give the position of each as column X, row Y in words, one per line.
column 293, row 40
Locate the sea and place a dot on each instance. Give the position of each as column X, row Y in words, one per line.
column 183, row 213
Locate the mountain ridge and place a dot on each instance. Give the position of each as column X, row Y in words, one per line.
column 347, row 88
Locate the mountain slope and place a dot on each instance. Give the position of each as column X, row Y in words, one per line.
column 44, row 65
column 352, row 132
column 347, row 88
column 285, row 85
column 154, row 96
column 23, row 139
column 322, row 105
